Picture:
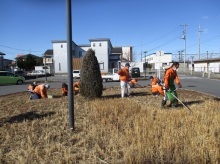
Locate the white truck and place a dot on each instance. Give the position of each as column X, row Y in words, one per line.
column 111, row 77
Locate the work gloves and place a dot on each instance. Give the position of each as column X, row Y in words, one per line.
column 179, row 85
column 166, row 87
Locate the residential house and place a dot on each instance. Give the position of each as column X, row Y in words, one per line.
column 48, row 61
column 108, row 56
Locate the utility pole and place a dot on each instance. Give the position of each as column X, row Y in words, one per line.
column 145, row 64
column 199, row 31
column 184, row 37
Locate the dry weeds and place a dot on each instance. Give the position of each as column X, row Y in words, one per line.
column 110, row 129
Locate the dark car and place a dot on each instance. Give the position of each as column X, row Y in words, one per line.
column 135, row 72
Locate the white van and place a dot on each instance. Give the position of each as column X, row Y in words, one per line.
column 76, row 73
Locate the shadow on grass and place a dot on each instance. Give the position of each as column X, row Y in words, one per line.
column 192, row 102
column 25, row 116
column 132, row 95
column 58, row 96
column 217, row 99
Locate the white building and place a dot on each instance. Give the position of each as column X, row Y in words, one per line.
column 108, row 57
column 207, row 65
column 158, row 59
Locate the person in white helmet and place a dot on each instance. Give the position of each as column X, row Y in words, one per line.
column 124, row 80
column 40, row 91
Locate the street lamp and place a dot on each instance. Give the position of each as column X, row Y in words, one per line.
column 145, row 64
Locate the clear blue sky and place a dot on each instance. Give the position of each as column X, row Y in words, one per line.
column 29, row 26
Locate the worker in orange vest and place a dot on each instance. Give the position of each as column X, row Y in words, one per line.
column 124, row 79
column 76, row 87
column 170, row 76
column 157, row 87
column 40, row 91
column 64, row 89
column 133, row 82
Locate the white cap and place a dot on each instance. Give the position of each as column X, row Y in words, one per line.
column 47, row 86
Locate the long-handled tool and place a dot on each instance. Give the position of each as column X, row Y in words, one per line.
column 180, row 101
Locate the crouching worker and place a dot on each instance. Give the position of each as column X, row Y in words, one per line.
column 40, row 91
column 64, row 89
column 133, row 82
column 157, row 87
column 76, row 86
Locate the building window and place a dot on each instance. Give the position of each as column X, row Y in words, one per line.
column 80, row 53
column 93, row 44
column 101, row 66
column 100, row 44
column 59, row 67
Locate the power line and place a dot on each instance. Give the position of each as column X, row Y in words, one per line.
column 18, row 49
column 175, row 29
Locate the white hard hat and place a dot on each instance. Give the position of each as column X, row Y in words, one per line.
column 47, row 86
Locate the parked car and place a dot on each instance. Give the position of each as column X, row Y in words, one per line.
column 76, row 73
column 135, row 72
column 10, row 78
column 36, row 73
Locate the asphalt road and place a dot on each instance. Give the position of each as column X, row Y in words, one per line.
column 204, row 85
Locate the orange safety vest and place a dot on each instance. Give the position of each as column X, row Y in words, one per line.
column 41, row 91
column 124, row 74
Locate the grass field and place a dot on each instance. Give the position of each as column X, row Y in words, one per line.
column 110, row 129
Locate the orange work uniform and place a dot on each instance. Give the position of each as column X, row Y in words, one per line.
column 76, row 86
column 124, row 74
column 169, row 78
column 133, row 82
column 156, row 88
column 41, row 91
column 64, row 89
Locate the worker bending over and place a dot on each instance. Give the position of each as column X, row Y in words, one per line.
column 64, row 88
column 76, row 86
column 32, row 87
column 133, row 82
column 156, row 84
column 40, row 91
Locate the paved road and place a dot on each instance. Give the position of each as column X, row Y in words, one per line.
column 209, row 86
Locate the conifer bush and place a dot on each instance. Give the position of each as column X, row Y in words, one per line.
column 90, row 76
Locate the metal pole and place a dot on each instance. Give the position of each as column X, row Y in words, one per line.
column 199, row 31
column 70, row 65
column 184, row 37
column 45, row 67
column 145, row 65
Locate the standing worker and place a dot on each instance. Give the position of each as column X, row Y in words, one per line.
column 124, row 79
column 156, row 84
column 170, row 76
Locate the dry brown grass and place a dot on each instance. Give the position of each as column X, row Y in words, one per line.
column 110, row 129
